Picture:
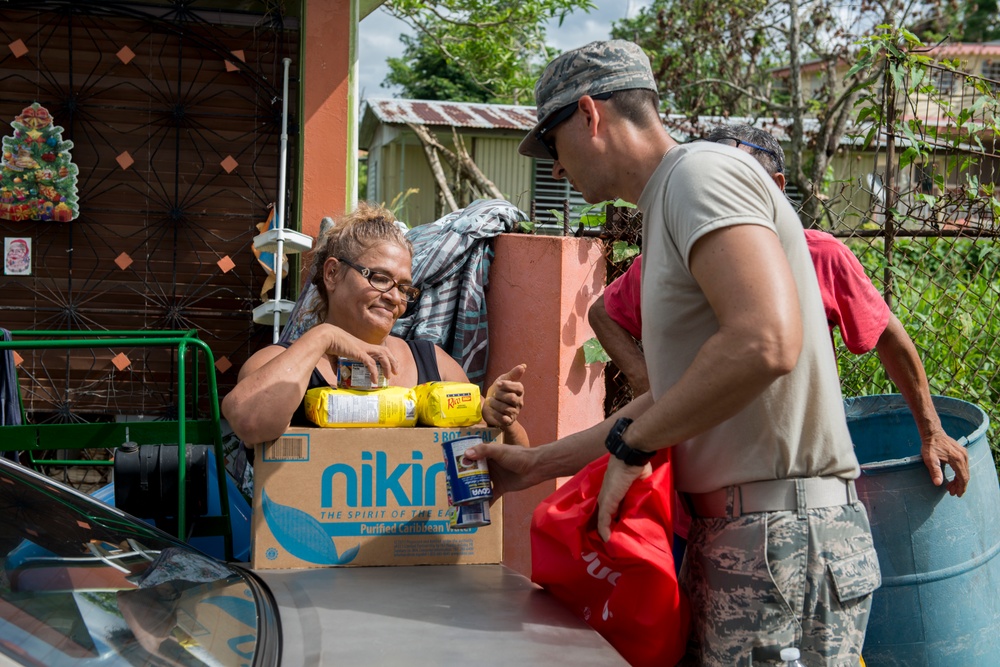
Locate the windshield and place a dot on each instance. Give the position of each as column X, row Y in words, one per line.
column 82, row 583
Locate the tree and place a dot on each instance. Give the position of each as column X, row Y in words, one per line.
column 962, row 21
column 425, row 73
column 471, row 51
column 982, row 21
column 719, row 58
column 494, row 48
column 694, row 45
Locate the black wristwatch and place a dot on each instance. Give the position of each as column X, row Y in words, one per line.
column 618, row 448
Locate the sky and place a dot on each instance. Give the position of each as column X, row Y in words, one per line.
column 378, row 39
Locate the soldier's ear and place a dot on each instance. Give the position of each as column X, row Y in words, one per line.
column 591, row 112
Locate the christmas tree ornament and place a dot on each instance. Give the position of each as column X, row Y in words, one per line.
column 62, row 212
column 33, row 155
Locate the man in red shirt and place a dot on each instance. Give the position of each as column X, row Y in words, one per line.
column 851, row 302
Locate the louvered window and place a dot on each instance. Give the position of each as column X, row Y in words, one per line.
column 549, row 194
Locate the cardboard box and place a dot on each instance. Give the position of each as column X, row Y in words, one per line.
column 362, row 496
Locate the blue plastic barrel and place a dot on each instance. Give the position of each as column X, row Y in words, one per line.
column 939, row 604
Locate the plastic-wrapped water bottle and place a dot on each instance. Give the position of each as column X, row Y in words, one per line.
column 790, row 657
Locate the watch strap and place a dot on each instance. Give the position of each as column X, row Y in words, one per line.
column 620, row 450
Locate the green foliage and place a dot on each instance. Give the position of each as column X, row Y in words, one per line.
column 398, row 202
column 765, row 59
column 946, row 297
column 476, row 50
column 622, row 251
column 965, row 21
column 592, row 215
column 705, row 54
column 593, row 352
column 424, row 73
column 981, row 21
column 915, row 96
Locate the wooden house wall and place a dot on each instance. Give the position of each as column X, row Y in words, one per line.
column 181, row 222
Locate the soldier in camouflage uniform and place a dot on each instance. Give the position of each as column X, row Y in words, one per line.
column 743, row 381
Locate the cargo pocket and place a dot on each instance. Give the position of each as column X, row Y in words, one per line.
column 856, row 575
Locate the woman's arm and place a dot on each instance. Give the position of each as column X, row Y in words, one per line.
column 502, row 402
column 273, row 381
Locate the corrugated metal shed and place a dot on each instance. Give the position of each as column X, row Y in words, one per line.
column 453, row 114
column 475, row 116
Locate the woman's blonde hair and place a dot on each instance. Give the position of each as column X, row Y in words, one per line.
column 355, row 233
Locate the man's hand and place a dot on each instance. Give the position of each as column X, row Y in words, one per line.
column 505, row 398
column 940, row 448
column 903, row 366
column 618, row 479
column 511, row 468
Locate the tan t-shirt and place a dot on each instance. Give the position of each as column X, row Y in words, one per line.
column 796, row 427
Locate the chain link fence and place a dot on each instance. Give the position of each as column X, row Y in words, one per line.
column 918, row 206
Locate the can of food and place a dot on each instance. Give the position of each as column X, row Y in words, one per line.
column 474, row 515
column 353, row 374
column 468, row 480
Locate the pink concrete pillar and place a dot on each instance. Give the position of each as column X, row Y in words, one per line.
column 539, row 292
column 327, row 59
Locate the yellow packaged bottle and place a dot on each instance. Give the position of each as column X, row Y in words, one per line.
column 346, row 408
column 453, row 404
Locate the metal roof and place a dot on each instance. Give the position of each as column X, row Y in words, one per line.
column 452, row 114
column 955, row 49
column 396, row 111
column 511, row 117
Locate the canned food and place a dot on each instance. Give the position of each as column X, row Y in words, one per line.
column 353, row 374
column 468, row 480
column 469, row 516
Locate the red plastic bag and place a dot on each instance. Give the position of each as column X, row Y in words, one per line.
column 625, row 588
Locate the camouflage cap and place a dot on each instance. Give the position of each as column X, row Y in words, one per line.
column 598, row 67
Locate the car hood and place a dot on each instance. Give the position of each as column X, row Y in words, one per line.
column 428, row 615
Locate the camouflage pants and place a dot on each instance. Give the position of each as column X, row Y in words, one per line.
column 762, row 582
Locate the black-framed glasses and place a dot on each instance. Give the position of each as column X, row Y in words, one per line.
column 383, row 282
column 558, row 117
column 742, row 142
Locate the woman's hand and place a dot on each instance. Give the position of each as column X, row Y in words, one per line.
column 273, row 381
column 343, row 344
column 504, row 399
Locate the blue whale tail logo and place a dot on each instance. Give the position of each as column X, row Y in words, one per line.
column 302, row 535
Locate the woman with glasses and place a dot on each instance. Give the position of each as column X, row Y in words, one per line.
column 362, row 272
